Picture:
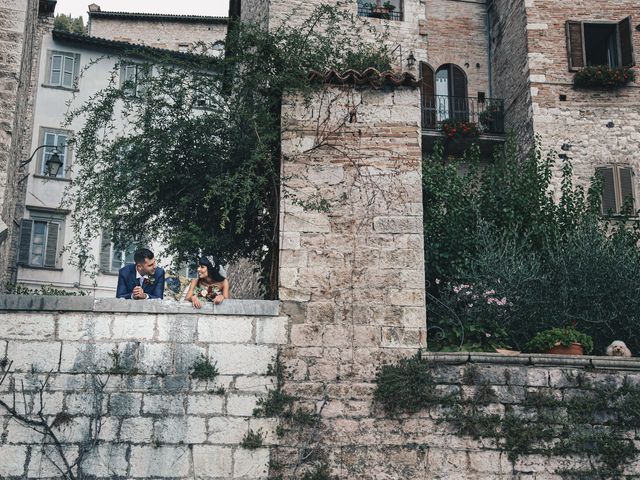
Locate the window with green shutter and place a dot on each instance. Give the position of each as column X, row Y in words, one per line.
column 600, row 43
column 113, row 259
column 618, row 190
column 40, row 244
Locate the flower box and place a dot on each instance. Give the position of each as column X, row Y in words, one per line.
column 603, row 76
column 459, row 128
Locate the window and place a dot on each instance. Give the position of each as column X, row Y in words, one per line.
column 132, row 77
column 40, row 240
column 63, row 68
column 599, row 43
column 451, row 101
column 385, row 9
column 54, row 139
column 617, row 192
column 113, row 259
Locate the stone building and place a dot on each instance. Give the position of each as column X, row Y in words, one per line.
column 508, row 66
column 22, row 23
column 172, row 32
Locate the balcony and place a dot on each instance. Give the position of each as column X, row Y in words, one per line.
column 486, row 113
column 379, row 11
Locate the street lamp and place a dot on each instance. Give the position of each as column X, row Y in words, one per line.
column 53, row 163
column 411, row 60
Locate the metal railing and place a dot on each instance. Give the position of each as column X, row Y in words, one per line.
column 373, row 11
column 487, row 114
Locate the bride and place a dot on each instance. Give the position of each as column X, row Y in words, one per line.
column 211, row 284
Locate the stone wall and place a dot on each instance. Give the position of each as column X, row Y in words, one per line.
column 21, row 29
column 510, row 66
column 162, row 32
column 125, row 366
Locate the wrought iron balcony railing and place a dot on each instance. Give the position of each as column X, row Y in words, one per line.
column 371, row 10
column 487, row 114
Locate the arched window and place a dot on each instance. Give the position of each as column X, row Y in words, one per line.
column 451, row 93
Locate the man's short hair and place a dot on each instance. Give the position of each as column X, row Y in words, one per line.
column 141, row 255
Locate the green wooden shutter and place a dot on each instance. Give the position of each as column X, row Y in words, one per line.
column 626, row 188
column 575, row 47
column 608, row 191
column 25, row 241
column 428, row 90
column 625, row 33
column 105, row 252
column 51, row 250
column 76, row 71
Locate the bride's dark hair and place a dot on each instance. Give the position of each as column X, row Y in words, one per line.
column 213, row 268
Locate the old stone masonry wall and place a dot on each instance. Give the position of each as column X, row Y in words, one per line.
column 119, row 391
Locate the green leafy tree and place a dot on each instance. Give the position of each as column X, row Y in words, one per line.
column 66, row 23
column 197, row 166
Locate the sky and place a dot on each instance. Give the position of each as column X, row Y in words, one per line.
column 218, row 8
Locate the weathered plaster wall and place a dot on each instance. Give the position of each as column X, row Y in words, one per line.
column 156, row 421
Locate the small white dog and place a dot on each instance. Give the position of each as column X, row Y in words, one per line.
column 618, row 349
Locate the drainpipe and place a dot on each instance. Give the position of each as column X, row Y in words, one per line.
column 489, row 56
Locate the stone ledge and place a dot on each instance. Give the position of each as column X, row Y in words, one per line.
column 535, row 360
column 264, row 308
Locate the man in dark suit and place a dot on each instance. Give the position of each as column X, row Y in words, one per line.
column 141, row 280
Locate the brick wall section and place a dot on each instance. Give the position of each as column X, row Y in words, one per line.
column 22, row 28
column 510, row 68
column 157, row 33
column 157, row 421
column 255, row 11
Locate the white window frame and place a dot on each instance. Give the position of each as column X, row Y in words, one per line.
column 69, row 65
column 62, row 147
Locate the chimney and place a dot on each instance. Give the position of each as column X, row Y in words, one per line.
column 94, row 7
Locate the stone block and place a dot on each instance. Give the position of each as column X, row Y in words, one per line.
column 43, row 461
column 337, row 336
column 76, row 430
column 81, row 403
column 227, row 430
column 241, row 405
column 84, row 326
column 252, row 464
column 306, row 223
column 134, row 327
column 205, row 404
column 136, row 430
column 212, row 461
column 155, row 358
column 182, row 430
column 267, row 427
column 366, row 336
column 163, row 404
column 107, row 460
column 242, row 359
column 92, row 357
column 125, row 404
column 27, row 326
column 176, row 328
column 34, row 356
column 17, row 433
column 272, row 330
column 225, row 329
column 256, row 384
column 290, row 241
column 185, row 356
column 397, row 224
column 403, row 337
column 147, row 461
column 306, row 335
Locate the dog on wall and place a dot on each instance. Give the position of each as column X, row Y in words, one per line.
column 618, row 349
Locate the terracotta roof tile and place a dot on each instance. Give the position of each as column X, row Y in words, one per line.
column 159, row 16
column 369, row 77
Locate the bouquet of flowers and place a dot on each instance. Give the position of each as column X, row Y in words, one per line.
column 208, row 292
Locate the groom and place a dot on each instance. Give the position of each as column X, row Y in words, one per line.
column 141, row 280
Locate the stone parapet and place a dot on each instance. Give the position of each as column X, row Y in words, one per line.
column 122, row 385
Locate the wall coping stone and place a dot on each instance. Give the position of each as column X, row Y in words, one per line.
column 535, row 360
column 266, row 308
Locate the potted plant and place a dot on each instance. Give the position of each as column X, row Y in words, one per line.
column 381, row 11
column 491, row 117
column 603, row 76
column 561, row 341
column 459, row 128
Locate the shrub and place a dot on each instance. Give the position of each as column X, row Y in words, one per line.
column 203, row 369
